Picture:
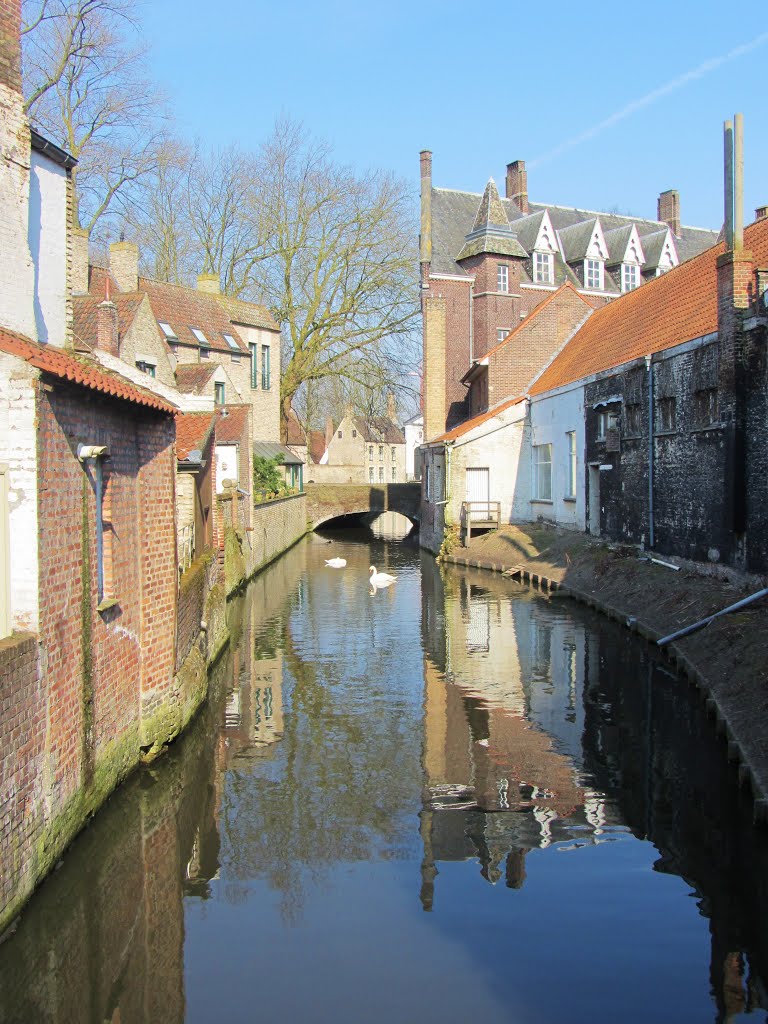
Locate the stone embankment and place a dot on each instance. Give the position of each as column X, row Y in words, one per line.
column 727, row 660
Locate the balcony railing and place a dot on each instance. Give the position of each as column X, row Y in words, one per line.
column 479, row 515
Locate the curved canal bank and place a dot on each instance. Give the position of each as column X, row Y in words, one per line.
column 727, row 660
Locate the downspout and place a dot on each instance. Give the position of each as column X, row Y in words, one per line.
column 651, row 525
column 471, row 318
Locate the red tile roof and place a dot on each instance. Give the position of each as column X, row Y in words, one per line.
column 67, row 366
column 295, row 431
column 86, row 317
column 316, row 445
column 192, row 430
column 231, row 429
column 184, row 308
column 191, row 378
column 677, row 307
column 464, row 428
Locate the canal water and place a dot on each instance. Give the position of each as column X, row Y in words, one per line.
column 449, row 799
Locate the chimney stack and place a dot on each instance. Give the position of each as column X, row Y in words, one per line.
column 517, row 185
column 668, row 209
column 106, row 327
column 425, row 242
column 208, row 283
column 124, row 265
column 10, row 44
column 761, row 212
column 391, row 407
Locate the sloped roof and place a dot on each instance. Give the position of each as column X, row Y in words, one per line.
column 669, row 310
column 379, row 429
column 295, row 431
column 617, row 240
column 192, row 432
column 269, row 449
column 575, row 239
column 85, row 315
column 250, row 314
column 191, row 378
column 67, row 366
column 476, row 421
column 454, row 213
column 316, row 445
column 185, row 308
column 230, row 428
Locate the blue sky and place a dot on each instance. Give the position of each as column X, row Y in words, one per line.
column 382, row 81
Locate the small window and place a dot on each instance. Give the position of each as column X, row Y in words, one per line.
column 205, row 353
column 667, row 415
column 381, row 453
column 381, row 474
column 606, row 421
column 266, row 376
column 254, row 368
column 630, row 276
column 542, row 476
column 394, row 454
column 218, row 393
column 370, row 474
column 593, row 274
column 148, row 368
column 502, row 277
column 705, row 407
column 339, row 434
column 370, row 453
column 501, row 333
column 231, row 342
column 570, row 485
column 394, row 474
column 354, row 433
column 543, row 267
column 204, row 343
column 167, row 330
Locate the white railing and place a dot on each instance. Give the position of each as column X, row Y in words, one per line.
column 186, row 547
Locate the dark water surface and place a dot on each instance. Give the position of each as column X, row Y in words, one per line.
column 447, row 800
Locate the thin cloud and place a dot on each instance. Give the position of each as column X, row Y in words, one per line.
column 651, row 97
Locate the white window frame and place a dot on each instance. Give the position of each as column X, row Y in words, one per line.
column 370, row 475
column 501, row 333
column 381, row 474
column 200, row 337
column 543, row 268
column 593, row 272
column 502, row 278
column 630, row 276
column 542, row 472
column 572, row 466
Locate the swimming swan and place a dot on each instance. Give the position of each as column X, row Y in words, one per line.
column 336, row 563
column 380, row 579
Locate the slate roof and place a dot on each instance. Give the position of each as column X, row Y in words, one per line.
column 454, row 213
column 379, row 429
column 679, row 306
column 67, row 366
column 191, row 378
column 192, row 432
column 316, row 445
column 617, row 240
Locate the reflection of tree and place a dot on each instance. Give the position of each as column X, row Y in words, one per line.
column 340, row 790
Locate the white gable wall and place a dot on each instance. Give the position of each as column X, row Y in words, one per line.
column 552, row 417
column 47, row 234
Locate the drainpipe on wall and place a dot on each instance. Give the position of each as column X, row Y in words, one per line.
column 97, row 452
column 651, row 530
column 471, row 316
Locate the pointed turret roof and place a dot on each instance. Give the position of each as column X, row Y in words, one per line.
column 491, row 231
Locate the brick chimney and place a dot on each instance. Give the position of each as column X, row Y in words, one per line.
column 209, row 283
column 10, row 44
column 517, row 185
column 106, row 327
column 668, row 209
column 761, row 212
column 425, row 241
column 391, row 408
column 124, row 265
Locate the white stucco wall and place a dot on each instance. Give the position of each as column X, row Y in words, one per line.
column 48, row 247
column 552, row 417
column 17, row 272
column 18, row 452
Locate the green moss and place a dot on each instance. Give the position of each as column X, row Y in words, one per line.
column 235, row 570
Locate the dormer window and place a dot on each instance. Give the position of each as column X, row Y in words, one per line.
column 502, row 277
column 204, row 343
column 167, row 330
column 543, row 268
column 230, row 342
column 593, row 274
column 630, row 276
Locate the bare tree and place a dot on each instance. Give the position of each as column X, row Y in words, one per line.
column 86, row 89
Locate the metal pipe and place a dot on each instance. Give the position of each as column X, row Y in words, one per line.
column 651, row 524
column 728, row 192
column 99, row 530
column 738, row 182
column 705, row 622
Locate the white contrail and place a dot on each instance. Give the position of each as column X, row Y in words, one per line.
column 651, row 97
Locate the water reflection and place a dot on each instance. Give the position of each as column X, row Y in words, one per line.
column 366, row 757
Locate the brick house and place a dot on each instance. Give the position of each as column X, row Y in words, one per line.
column 487, row 263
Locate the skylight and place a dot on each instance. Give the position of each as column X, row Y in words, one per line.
column 200, row 337
column 167, row 330
column 231, row 342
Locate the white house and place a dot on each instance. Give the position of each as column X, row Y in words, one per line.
column 414, row 435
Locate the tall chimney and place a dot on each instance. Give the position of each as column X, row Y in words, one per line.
column 391, row 407
column 668, row 209
column 78, row 280
column 10, row 44
column 209, row 283
column 728, row 189
column 517, row 185
column 124, row 265
column 738, row 182
column 106, row 327
column 425, row 254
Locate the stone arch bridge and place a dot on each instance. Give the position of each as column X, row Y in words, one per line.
column 328, row 501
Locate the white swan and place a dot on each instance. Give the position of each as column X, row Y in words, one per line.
column 336, row 563
column 380, row 579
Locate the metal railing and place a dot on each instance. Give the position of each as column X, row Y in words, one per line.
column 185, row 542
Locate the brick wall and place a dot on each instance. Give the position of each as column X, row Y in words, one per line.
column 276, row 526
column 10, row 48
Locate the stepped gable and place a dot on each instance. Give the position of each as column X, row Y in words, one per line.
column 59, row 363
column 191, row 378
column 669, row 310
column 192, row 431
